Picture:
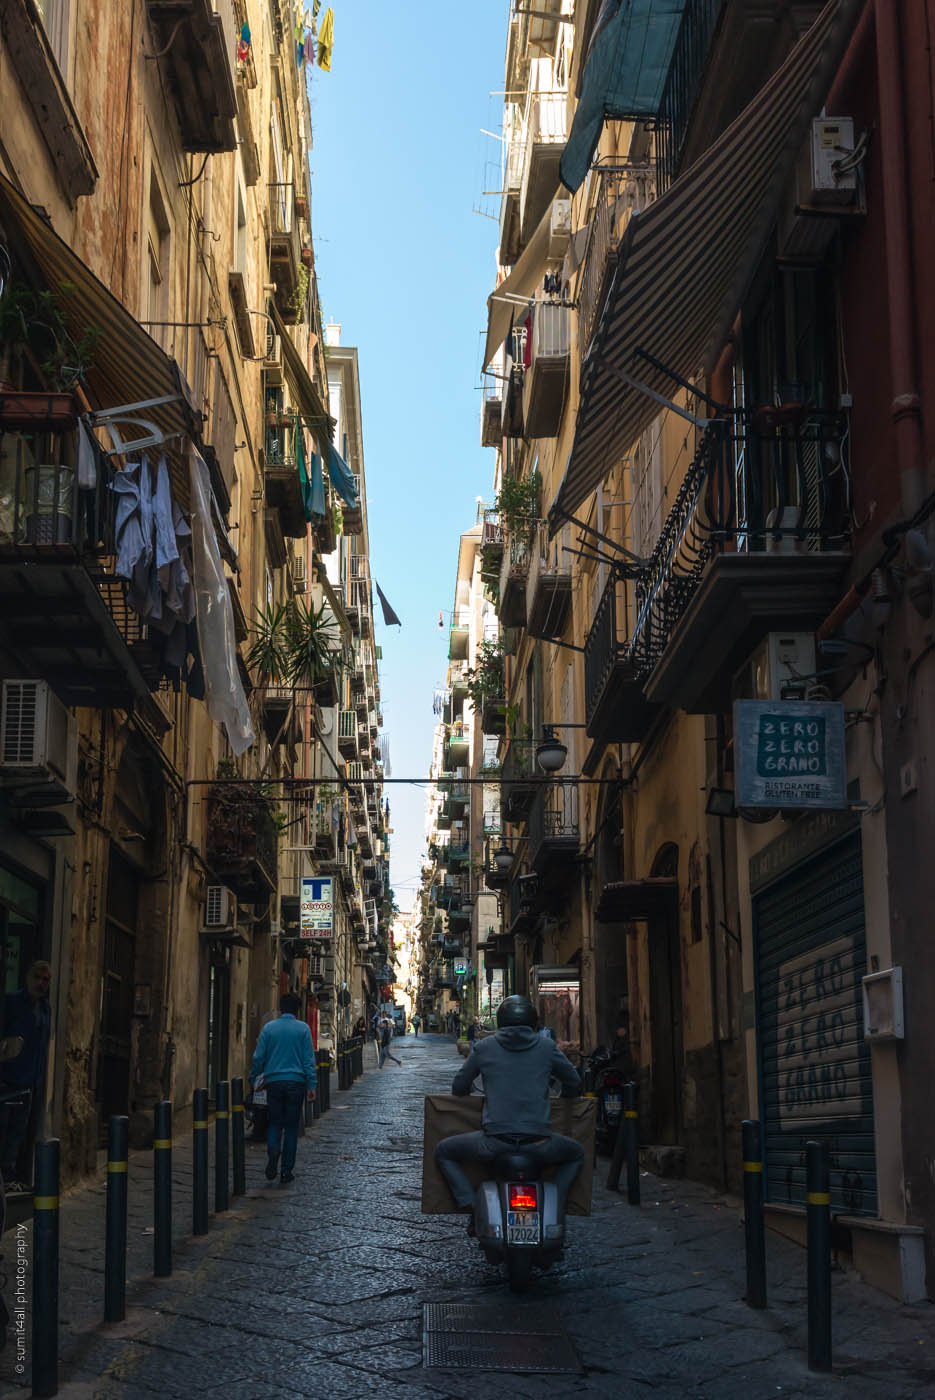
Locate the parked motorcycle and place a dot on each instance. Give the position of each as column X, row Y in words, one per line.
column 604, row 1080
column 517, row 1220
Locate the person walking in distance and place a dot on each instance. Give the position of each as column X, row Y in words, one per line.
column 415, row 1022
column 27, row 1023
column 285, row 1057
column 386, row 1040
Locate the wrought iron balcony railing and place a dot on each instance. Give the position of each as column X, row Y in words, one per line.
column 699, row 23
column 768, row 482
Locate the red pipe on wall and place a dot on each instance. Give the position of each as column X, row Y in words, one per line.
column 906, row 406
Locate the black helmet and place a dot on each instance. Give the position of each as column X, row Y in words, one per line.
column 516, row 1011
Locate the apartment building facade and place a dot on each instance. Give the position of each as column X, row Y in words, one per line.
column 171, row 646
column 706, row 346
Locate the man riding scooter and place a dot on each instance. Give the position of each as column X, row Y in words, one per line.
column 515, row 1065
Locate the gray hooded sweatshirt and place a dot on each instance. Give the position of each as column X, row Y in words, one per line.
column 515, row 1066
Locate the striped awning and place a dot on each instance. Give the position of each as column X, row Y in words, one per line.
column 686, row 262
column 128, row 366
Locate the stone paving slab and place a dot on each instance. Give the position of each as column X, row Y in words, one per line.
column 317, row 1289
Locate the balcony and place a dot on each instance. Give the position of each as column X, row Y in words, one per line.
column 553, row 828
column 353, row 516
column 548, row 584
column 491, row 546
column 519, row 781
column 493, row 715
column 285, row 249
column 514, row 572
column 458, row 642
column 510, row 241
column 347, row 734
column 546, row 381
column 196, row 51
column 616, row 708
column 725, row 51
column 323, row 831
column 728, row 568
column 63, row 611
column 459, row 856
column 545, row 139
column 457, row 676
column 457, row 747
column 240, row 840
column 511, row 419
column 491, row 413
column 281, row 474
column 280, row 720
column 275, row 539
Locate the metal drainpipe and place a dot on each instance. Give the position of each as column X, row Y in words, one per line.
column 906, row 406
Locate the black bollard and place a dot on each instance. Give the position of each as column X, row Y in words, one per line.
column 45, row 1270
column 237, row 1139
column 221, row 1146
column 200, row 1162
column 620, row 1152
column 753, row 1214
column 324, row 1079
column 631, row 1117
column 818, row 1222
column 162, row 1190
column 115, row 1229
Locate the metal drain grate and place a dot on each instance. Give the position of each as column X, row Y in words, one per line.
column 486, row 1337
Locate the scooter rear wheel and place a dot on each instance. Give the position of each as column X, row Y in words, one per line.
column 519, row 1270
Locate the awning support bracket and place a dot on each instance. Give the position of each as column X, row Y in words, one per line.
column 633, row 383
column 129, row 413
column 721, row 409
column 636, row 559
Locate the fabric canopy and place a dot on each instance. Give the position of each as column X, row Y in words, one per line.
column 516, row 289
column 128, row 366
column 686, row 262
column 624, row 75
column 342, row 478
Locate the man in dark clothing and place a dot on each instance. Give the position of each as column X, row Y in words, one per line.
column 386, row 1040
column 516, row 1065
column 27, row 1015
column 285, row 1057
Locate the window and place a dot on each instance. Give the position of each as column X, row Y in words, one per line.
column 54, row 16
column 157, row 264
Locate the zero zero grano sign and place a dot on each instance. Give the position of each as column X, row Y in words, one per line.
column 790, row 754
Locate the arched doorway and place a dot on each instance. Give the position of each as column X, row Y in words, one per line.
column 665, row 1004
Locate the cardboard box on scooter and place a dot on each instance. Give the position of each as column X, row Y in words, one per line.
column 447, row 1114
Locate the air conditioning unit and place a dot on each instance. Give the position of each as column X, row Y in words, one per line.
column 273, row 349
column 219, row 911
column 38, row 741
column 782, row 668
column 821, row 192
column 559, row 228
column 298, row 573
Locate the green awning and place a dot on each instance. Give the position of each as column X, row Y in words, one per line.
column 625, row 72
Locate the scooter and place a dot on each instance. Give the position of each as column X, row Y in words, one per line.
column 517, row 1220
column 604, row 1081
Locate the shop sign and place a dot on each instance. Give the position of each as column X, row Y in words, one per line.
column 789, row 754
column 316, row 908
column 461, row 967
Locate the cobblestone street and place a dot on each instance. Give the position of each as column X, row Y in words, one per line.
column 318, row 1289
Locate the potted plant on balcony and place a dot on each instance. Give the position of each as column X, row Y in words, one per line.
column 518, row 502
column 32, row 323
column 241, row 834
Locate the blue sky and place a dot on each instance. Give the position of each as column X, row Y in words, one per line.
column 405, row 265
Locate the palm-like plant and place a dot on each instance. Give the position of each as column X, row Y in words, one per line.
column 294, row 644
column 269, row 653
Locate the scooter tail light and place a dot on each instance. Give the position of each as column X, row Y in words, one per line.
column 523, row 1197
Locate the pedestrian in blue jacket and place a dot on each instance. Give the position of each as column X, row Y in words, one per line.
column 285, row 1057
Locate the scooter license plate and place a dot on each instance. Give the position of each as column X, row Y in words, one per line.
column 522, row 1227
column 259, row 1098
column 614, row 1105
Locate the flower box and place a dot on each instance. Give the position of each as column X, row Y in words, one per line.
column 35, row 412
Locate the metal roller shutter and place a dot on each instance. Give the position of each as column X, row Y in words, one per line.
column 814, row 1064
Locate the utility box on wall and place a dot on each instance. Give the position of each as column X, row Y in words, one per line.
column 883, row 1005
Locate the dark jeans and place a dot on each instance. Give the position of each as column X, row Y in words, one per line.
column 556, row 1150
column 14, row 1120
column 284, row 1102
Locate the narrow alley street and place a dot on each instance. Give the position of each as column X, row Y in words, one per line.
column 319, row 1289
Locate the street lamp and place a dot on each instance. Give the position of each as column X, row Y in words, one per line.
column 503, row 859
column 551, row 752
